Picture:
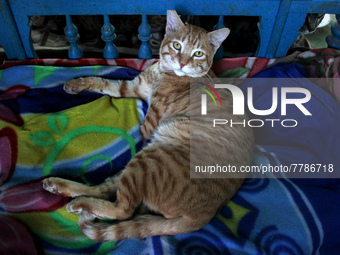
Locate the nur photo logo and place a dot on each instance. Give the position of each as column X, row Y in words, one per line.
column 282, row 99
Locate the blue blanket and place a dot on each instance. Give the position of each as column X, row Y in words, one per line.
column 267, row 216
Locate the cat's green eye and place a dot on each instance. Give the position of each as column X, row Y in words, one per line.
column 198, row 53
column 177, row 45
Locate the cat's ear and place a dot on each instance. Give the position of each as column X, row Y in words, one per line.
column 218, row 36
column 173, row 22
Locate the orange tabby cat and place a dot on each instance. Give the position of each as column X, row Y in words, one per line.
column 159, row 175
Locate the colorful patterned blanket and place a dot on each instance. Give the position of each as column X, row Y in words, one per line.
column 87, row 137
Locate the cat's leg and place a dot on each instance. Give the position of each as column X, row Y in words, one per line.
column 137, row 88
column 157, row 112
column 100, row 208
column 128, row 196
column 147, row 130
column 69, row 188
column 134, row 184
column 143, row 180
column 151, row 120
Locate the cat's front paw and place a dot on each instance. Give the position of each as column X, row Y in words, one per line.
column 53, row 185
column 76, row 86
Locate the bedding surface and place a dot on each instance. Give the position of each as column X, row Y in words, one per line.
column 88, row 137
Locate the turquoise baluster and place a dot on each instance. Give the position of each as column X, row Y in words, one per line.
column 333, row 40
column 144, row 31
column 108, row 36
column 219, row 25
column 72, row 36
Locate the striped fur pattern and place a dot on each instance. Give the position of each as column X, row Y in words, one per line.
column 159, row 175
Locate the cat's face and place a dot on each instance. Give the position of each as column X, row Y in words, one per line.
column 188, row 50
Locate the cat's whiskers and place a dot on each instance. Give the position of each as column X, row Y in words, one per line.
column 211, row 82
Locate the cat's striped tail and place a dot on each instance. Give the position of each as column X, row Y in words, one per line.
column 140, row 226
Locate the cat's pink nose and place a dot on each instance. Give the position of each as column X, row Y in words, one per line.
column 182, row 64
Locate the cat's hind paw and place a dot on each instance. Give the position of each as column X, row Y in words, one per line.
column 83, row 203
column 75, row 206
column 76, row 86
column 52, row 185
column 59, row 186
